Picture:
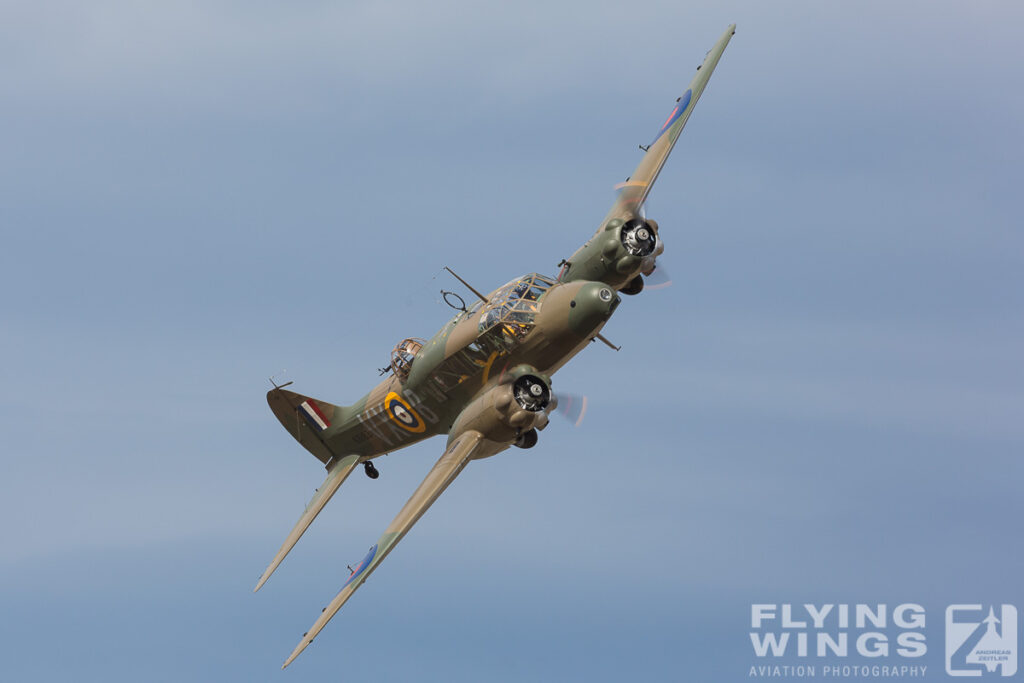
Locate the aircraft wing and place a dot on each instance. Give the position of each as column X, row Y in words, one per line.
column 458, row 453
column 634, row 191
column 336, row 476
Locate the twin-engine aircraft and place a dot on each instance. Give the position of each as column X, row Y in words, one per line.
column 485, row 378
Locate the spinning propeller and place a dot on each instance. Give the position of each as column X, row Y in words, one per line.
column 570, row 407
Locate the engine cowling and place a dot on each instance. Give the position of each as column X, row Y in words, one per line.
column 505, row 411
column 638, row 237
column 618, row 252
column 531, row 393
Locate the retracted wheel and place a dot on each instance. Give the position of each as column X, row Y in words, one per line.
column 370, row 470
column 634, row 286
column 527, row 439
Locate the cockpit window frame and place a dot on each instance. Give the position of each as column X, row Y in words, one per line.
column 403, row 356
column 514, row 306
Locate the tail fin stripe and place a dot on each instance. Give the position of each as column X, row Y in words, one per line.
column 311, row 411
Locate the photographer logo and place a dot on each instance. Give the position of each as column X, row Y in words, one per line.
column 981, row 640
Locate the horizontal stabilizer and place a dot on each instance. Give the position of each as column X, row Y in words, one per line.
column 336, row 475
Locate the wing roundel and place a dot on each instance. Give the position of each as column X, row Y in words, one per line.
column 633, row 193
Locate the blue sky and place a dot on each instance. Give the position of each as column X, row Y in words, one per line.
column 827, row 405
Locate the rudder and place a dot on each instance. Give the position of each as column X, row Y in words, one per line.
column 307, row 419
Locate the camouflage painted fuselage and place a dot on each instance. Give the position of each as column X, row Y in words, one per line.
column 455, row 366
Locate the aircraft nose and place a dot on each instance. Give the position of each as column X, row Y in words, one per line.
column 592, row 305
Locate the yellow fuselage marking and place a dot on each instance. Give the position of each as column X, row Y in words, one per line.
column 487, row 367
column 420, row 427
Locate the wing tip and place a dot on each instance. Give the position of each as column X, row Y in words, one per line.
column 296, row 652
column 267, row 574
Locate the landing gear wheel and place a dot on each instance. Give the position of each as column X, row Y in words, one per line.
column 370, row 470
column 527, row 439
column 635, row 286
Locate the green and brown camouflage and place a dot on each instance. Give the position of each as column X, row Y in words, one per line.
column 485, row 378
column 458, row 363
column 606, row 257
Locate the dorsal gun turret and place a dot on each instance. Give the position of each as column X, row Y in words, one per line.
column 403, row 355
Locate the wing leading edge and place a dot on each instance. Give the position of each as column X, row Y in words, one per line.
column 460, row 451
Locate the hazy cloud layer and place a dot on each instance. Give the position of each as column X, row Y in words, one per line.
column 826, row 405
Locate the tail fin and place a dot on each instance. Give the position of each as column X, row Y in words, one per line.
column 309, row 420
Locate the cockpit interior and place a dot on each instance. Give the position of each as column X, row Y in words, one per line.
column 515, row 305
column 511, row 308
